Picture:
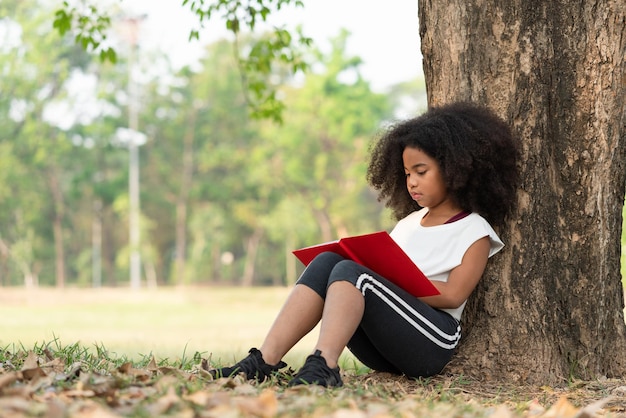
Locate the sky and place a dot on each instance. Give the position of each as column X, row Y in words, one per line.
column 384, row 34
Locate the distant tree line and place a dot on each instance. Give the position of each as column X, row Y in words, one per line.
column 224, row 197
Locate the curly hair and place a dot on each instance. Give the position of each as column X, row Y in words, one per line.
column 476, row 151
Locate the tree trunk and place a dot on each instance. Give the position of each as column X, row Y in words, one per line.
column 4, row 261
column 550, row 306
column 183, row 198
column 57, row 225
column 252, row 248
column 326, row 227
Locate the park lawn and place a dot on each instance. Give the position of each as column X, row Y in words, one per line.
column 114, row 352
column 218, row 322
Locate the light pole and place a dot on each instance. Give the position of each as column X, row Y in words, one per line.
column 134, row 139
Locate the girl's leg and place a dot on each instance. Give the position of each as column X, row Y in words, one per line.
column 341, row 315
column 396, row 330
column 415, row 338
column 298, row 316
column 343, row 310
column 363, row 349
column 303, row 309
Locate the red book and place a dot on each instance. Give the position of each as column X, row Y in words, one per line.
column 380, row 253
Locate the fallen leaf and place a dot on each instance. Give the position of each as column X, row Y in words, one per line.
column 30, row 369
column 56, row 365
column 128, row 369
column 561, row 409
column 348, row 413
column 31, row 361
column 79, row 393
column 90, row 409
column 13, row 405
column 265, row 405
column 152, row 366
column 223, row 411
column 590, row 410
column 501, row 411
column 9, row 378
column 164, row 403
column 269, row 402
column 535, row 408
column 200, row 398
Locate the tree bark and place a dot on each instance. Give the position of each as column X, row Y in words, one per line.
column 57, row 225
column 182, row 200
column 550, row 306
column 253, row 243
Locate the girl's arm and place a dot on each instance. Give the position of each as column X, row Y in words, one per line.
column 463, row 278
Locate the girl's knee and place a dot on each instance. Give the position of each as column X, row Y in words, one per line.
column 317, row 273
column 346, row 270
column 327, row 259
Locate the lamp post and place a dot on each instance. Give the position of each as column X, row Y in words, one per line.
column 133, row 138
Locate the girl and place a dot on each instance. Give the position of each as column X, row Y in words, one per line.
column 448, row 175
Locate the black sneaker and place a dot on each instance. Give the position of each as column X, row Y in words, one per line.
column 253, row 366
column 315, row 371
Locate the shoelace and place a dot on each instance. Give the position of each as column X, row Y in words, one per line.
column 250, row 366
column 314, row 370
column 254, row 367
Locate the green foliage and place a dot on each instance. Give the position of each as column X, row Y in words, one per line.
column 88, row 24
column 225, row 197
column 235, row 14
column 271, row 49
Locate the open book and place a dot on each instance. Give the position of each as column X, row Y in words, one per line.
column 380, row 253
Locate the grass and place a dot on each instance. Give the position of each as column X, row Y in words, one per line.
column 114, row 352
column 222, row 323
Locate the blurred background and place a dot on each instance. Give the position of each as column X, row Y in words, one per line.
column 143, row 208
column 154, row 159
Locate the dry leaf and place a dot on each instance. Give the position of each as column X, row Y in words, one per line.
column 152, row 366
column 164, row 403
column 56, row 365
column 223, row 411
column 30, row 369
column 535, row 408
column 501, row 411
column 79, row 393
column 269, row 402
column 590, row 410
column 140, row 374
column 561, row 409
column 349, row 413
column 13, row 404
column 9, row 378
column 31, row 361
column 200, row 398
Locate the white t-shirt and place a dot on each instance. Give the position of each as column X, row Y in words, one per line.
column 436, row 250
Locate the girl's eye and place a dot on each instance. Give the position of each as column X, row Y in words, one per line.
column 421, row 173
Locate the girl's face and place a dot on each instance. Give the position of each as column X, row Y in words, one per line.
column 424, row 180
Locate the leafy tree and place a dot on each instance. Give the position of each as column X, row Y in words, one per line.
column 197, row 150
column 205, row 165
column 316, row 158
column 38, row 68
column 89, row 25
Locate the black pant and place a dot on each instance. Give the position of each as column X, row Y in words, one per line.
column 398, row 332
